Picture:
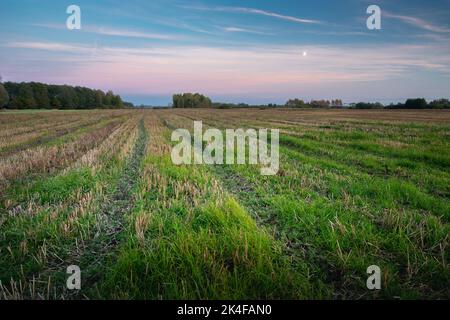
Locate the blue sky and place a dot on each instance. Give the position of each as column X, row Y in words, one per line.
column 236, row 51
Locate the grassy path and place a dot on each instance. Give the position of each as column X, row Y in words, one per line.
column 94, row 256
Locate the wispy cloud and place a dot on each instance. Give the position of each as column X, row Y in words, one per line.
column 58, row 26
column 117, row 32
column 130, row 33
column 417, row 22
column 275, row 15
column 257, row 12
column 183, row 26
column 50, row 46
column 245, row 30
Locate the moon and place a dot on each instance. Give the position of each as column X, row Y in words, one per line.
column 305, row 53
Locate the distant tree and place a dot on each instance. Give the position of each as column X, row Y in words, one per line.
column 4, row 96
column 189, row 100
column 107, row 102
column 12, row 89
column 396, row 106
column 24, row 98
column 320, row 103
column 128, row 105
column 99, row 98
column 418, row 103
column 116, row 102
column 440, row 104
column 85, row 98
column 177, row 101
column 54, row 93
column 41, row 96
column 201, row 101
column 68, row 97
column 337, row 103
column 367, row 105
column 56, row 103
column 295, row 103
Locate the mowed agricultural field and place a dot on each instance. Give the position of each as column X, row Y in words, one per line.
column 98, row 189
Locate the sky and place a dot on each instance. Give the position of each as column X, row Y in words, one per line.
column 252, row 51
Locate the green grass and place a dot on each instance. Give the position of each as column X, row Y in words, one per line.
column 350, row 193
column 198, row 244
column 341, row 214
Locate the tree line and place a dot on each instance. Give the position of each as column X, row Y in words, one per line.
column 196, row 100
column 421, row 103
column 36, row 95
column 191, row 100
column 298, row 103
column 418, row 103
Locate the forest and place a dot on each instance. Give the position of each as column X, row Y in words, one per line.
column 36, row 95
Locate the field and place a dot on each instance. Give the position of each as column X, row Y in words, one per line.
column 98, row 189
